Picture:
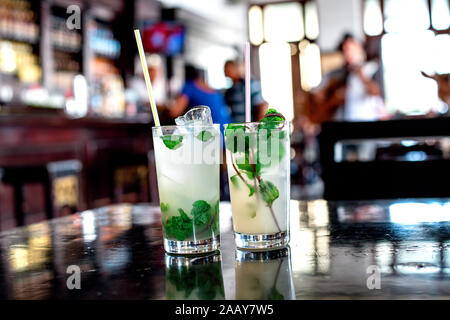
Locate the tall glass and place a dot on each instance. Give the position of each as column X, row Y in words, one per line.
column 258, row 163
column 187, row 165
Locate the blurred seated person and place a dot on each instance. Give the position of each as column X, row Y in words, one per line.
column 196, row 92
column 348, row 93
column 235, row 96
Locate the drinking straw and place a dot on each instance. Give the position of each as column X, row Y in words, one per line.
column 247, row 83
column 147, row 77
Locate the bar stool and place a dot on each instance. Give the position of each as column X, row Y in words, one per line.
column 35, row 193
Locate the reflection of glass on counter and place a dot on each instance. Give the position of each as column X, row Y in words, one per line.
column 264, row 275
column 190, row 278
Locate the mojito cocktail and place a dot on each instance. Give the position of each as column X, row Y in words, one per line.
column 258, row 163
column 187, row 164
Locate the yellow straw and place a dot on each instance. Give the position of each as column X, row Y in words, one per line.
column 147, row 77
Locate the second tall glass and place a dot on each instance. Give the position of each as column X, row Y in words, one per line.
column 258, row 163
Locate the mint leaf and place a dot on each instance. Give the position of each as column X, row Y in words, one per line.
column 204, row 136
column 164, row 207
column 252, row 190
column 201, row 212
column 251, row 169
column 183, row 215
column 273, row 121
column 179, row 227
column 269, row 192
column 274, row 294
column 173, row 141
column 235, row 180
column 272, row 116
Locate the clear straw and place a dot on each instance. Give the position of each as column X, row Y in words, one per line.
column 147, row 77
column 247, row 83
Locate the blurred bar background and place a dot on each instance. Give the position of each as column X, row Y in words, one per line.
column 74, row 115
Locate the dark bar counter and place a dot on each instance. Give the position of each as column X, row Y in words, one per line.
column 45, row 156
column 34, row 139
column 337, row 250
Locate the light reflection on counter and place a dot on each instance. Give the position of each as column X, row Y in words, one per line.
column 312, row 242
column 120, row 253
column 418, row 212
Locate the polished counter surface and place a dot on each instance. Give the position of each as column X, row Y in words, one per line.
column 338, row 250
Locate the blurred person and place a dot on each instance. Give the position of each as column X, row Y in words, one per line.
column 235, row 96
column 196, row 92
column 348, row 93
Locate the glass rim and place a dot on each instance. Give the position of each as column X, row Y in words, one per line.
column 172, row 126
column 253, row 122
column 286, row 125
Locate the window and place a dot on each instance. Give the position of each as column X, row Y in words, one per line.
column 414, row 37
column 373, row 18
column 281, row 31
column 310, row 65
column 440, row 14
column 255, row 25
column 276, row 78
column 283, row 22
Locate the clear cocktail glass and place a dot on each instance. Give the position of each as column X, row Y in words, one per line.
column 258, row 164
column 187, row 164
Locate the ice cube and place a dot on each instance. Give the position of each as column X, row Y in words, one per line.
column 200, row 115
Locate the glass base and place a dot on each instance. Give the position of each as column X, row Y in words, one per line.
column 261, row 242
column 192, row 247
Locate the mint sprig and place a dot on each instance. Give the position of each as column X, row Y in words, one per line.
column 203, row 217
column 235, row 181
column 238, row 140
column 201, row 212
column 180, row 226
column 269, row 192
